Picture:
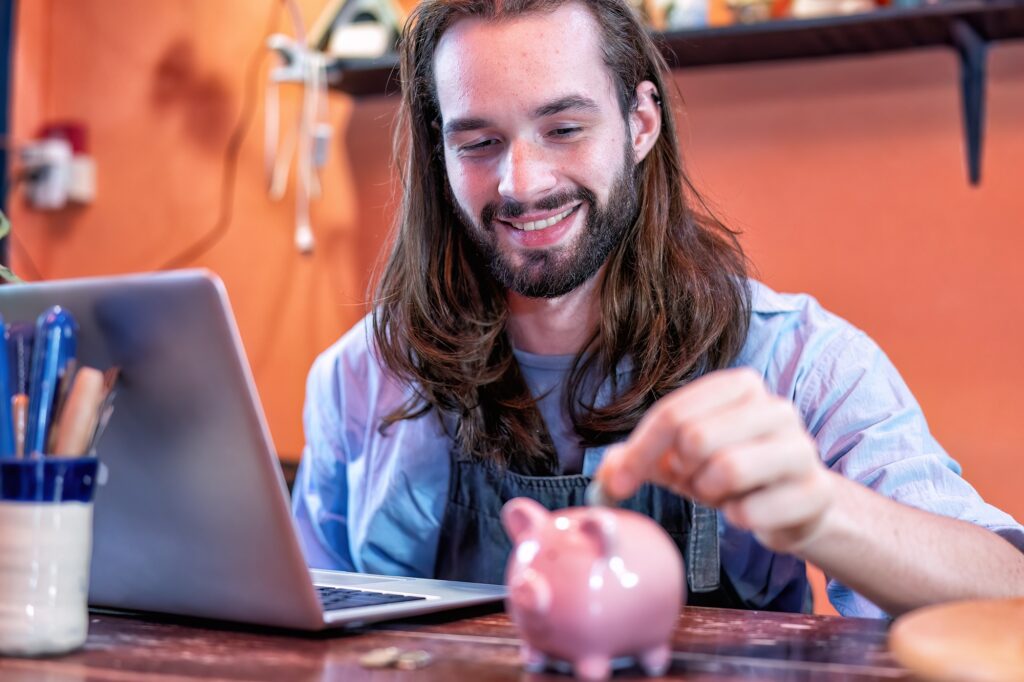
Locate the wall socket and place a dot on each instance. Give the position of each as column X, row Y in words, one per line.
column 55, row 174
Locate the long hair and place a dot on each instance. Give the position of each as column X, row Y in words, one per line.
column 674, row 304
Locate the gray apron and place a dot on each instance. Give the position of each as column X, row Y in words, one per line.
column 474, row 547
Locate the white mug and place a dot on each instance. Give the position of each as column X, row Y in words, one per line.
column 45, row 551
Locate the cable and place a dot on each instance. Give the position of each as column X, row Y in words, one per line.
column 307, row 141
column 34, row 273
column 231, row 154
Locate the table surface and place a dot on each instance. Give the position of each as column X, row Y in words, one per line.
column 708, row 644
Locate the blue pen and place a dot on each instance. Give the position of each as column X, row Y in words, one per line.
column 55, row 344
column 6, row 422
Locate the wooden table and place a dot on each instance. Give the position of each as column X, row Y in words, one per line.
column 709, row 644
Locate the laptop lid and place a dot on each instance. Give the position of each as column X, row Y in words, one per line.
column 193, row 518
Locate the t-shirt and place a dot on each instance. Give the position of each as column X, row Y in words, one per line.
column 372, row 501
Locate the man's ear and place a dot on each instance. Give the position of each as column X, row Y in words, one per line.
column 645, row 120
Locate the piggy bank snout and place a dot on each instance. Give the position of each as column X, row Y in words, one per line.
column 530, row 591
column 587, row 586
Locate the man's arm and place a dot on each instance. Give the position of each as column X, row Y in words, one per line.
column 725, row 441
column 902, row 558
column 320, row 493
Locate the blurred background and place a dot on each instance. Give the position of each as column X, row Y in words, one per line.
column 841, row 154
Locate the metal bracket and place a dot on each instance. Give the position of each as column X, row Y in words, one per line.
column 973, row 50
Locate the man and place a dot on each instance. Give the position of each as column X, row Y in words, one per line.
column 556, row 308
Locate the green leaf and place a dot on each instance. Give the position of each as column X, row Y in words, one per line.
column 5, row 272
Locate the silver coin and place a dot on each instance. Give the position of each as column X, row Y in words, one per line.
column 595, row 496
column 414, row 660
column 380, row 658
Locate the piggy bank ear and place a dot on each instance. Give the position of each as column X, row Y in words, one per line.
column 523, row 517
column 598, row 527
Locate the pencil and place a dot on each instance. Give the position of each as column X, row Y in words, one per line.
column 80, row 413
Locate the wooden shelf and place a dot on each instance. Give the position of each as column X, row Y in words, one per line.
column 965, row 25
column 883, row 30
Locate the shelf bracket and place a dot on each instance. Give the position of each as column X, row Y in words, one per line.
column 973, row 50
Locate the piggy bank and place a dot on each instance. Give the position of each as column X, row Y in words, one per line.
column 587, row 585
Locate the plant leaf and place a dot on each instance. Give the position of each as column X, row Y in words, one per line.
column 5, row 272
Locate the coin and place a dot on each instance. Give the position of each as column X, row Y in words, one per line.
column 380, row 658
column 414, row 660
column 595, row 496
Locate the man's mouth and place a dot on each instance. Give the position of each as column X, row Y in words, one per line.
column 533, row 225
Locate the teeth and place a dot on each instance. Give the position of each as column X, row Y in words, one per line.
column 541, row 224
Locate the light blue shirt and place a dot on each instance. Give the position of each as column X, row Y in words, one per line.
column 373, row 502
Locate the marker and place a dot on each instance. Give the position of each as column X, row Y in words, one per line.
column 55, row 344
column 6, row 420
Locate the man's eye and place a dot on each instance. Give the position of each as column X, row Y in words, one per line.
column 477, row 146
column 565, row 132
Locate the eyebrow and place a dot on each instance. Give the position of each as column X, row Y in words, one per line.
column 573, row 102
column 557, row 106
column 462, row 125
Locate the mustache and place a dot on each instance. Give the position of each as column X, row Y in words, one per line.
column 510, row 208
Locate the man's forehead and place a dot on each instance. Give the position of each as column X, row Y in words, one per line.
column 523, row 62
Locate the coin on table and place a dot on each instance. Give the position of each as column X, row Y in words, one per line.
column 380, row 658
column 414, row 660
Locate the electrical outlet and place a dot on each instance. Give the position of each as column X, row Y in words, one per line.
column 57, row 168
column 47, row 168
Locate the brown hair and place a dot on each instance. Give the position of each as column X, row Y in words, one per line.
column 674, row 298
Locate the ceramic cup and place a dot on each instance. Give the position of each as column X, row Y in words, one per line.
column 45, row 548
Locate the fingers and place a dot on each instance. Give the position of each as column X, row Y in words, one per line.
column 666, row 426
column 783, row 516
column 726, row 442
column 746, row 466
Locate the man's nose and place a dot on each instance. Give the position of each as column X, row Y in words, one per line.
column 526, row 173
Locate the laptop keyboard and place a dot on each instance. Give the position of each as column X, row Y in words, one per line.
column 334, row 598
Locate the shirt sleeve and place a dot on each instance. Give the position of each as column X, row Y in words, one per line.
column 320, row 495
column 869, row 428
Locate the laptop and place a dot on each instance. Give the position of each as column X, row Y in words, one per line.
column 193, row 518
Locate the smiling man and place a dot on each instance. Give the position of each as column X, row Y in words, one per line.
column 556, row 308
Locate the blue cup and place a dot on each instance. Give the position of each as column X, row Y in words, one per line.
column 46, row 508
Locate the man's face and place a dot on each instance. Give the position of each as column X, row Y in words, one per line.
column 537, row 152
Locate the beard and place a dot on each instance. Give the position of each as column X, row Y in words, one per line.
column 553, row 272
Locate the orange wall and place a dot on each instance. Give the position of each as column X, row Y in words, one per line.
column 847, row 177
column 160, row 86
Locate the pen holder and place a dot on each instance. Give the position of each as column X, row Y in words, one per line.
column 46, row 508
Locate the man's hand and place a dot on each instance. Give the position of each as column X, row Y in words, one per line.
column 726, row 442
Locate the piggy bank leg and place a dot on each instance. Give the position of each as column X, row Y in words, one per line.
column 534, row 660
column 593, row 668
column 656, row 661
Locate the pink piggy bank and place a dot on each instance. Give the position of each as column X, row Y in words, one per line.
column 590, row 584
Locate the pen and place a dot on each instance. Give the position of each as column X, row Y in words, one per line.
column 54, row 346
column 19, row 347
column 19, row 415
column 6, row 420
